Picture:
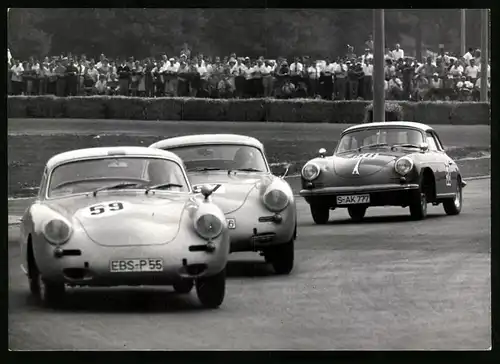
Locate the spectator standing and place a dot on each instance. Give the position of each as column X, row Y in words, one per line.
column 102, row 59
column 71, row 78
column 369, row 43
column 296, row 69
column 407, row 75
column 468, row 56
column 388, row 54
column 341, row 80
column 471, row 71
column 313, row 73
column 123, row 71
column 60, row 71
column 43, row 78
column 398, row 52
column 183, row 82
column 17, row 78
column 326, row 79
column 149, row 78
column 368, row 79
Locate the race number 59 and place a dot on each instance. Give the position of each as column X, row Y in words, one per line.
column 105, row 208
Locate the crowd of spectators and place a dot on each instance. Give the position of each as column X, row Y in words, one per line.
column 438, row 77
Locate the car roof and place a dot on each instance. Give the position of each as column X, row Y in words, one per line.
column 408, row 124
column 207, row 139
column 77, row 154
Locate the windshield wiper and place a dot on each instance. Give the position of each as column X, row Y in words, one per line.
column 203, row 169
column 244, row 170
column 115, row 186
column 162, row 186
column 407, row 145
column 373, row 146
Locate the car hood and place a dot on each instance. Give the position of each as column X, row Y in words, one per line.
column 116, row 219
column 354, row 165
column 234, row 189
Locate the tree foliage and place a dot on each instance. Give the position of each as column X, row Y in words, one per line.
column 120, row 32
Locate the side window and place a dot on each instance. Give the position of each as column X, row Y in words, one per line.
column 431, row 142
column 43, row 184
column 438, row 142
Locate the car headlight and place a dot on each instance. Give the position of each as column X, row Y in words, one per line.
column 275, row 200
column 310, row 171
column 208, row 226
column 57, row 231
column 403, row 165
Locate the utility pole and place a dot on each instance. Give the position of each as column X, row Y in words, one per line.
column 378, row 65
column 484, row 53
column 463, row 39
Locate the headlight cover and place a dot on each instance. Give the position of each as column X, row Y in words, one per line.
column 310, row 171
column 57, row 231
column 403, row 166
column 208, row 226
column 275, row 200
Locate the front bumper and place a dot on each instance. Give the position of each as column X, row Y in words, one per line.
column 89, row 264
column 256, row 228
column 391, row 194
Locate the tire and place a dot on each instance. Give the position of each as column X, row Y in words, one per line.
column 183, row 286
column 320, row 214
column 47, row 293
column 453, row 206
column 418, row 205
column 357, row 213
column 282, row 258
column 211, row 290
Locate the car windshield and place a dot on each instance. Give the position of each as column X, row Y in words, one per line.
column 133, row 172
column 222, row 156
column 379, row 137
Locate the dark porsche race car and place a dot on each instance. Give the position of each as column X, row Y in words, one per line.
column 383, row 164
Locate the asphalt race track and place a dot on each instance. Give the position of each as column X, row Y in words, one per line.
column 385, row 283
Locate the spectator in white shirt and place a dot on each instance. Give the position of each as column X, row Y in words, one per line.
column 296, row 67
column 17, row 77
column 366, row 56
column 326, row 80
column 368, row 78
column 267, row 78
column 479, row 71
column 455, row 69
column 313, row 73
column 101, row 86
column 468, row 56
column 472, row 71
column 169, row 70
column 398, row 52
column 388, row 53
column 101, row 62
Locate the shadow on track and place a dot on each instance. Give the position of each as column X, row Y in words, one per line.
column 383, row 219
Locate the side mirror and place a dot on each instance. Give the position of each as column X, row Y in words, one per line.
column 280, row 170
column 207, row 191
column 322, row 152
column 424, row 147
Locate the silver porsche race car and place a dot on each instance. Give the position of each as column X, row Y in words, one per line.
column 259, row 207
column 123, row 216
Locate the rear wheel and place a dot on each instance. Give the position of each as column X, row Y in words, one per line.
column 453, row 206
column 320, row 214
column 357, row 213
column 211, row 290
column 183, row 286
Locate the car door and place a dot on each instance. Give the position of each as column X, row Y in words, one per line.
column 450, row 173
column 437, row 162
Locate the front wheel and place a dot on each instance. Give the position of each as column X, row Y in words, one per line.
column 211, row 290
column 282, row 257
column 183, row 286
column 357, row 213
column 49, row 294
column 454, row 206
column 418, row 205
column 320, row 214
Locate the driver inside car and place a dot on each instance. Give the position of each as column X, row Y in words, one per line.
column 160, row 172
column 244, row 158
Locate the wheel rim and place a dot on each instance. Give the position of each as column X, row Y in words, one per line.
column 458, row 197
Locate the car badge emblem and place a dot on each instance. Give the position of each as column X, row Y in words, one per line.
column 356, row 167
